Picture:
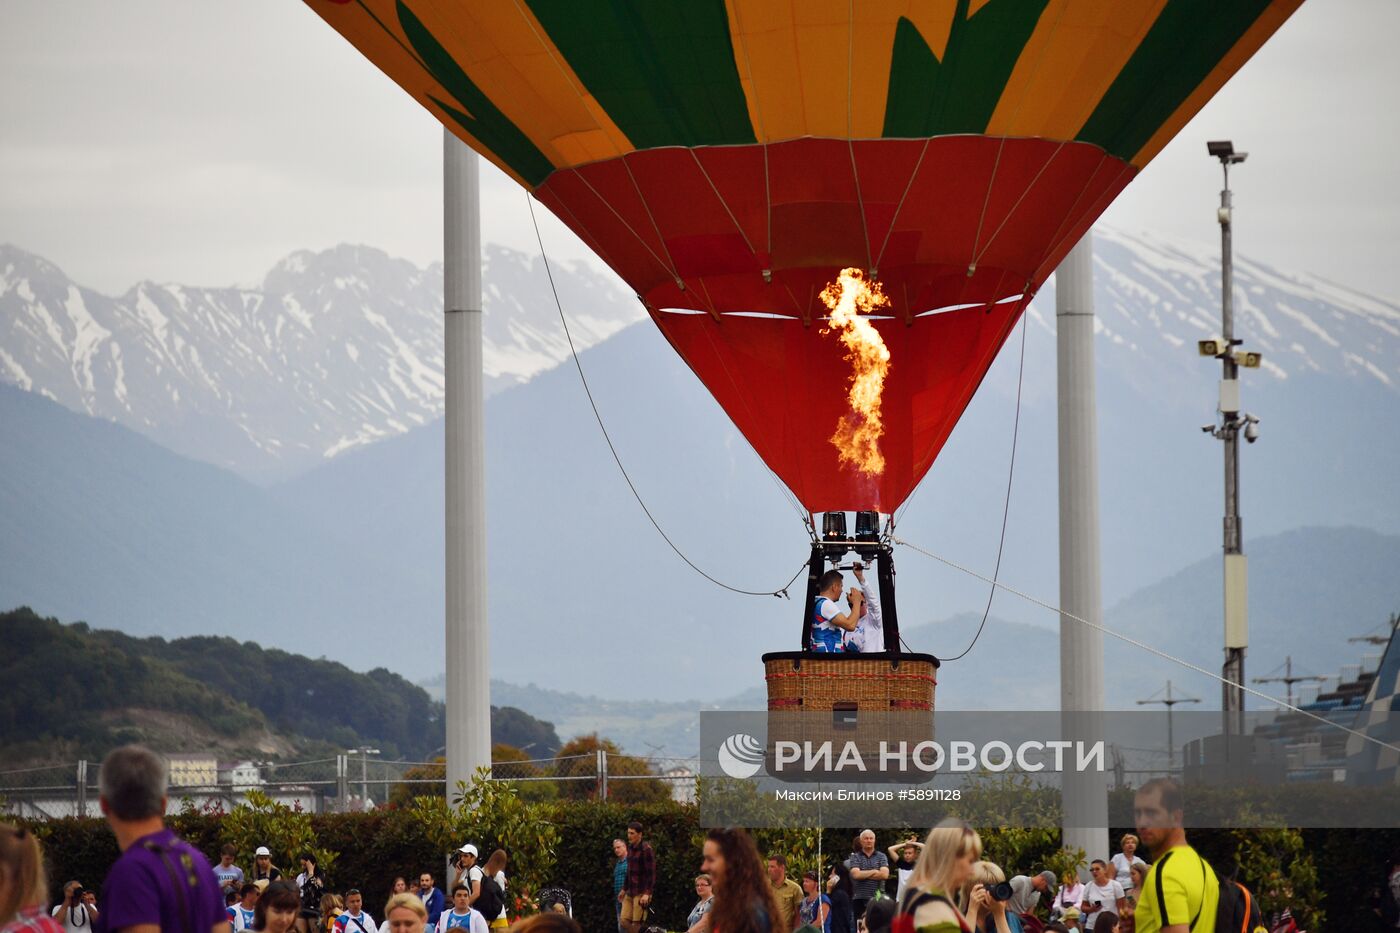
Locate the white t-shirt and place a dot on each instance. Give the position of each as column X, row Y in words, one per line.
column 241, row 918
column 363, row 923
column 500, row 879
column 1107, row 895
column 80, row 913
column 1123, row 869
column 870, row 630
column 472, row 922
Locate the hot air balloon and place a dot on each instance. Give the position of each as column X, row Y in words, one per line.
column 728, row 158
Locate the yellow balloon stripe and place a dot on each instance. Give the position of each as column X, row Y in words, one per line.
column 1072, row 58
column 1257, row 34
column 793, row 61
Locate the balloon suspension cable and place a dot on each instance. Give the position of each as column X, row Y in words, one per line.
column 1006, row 505
column 1182, row 662
column 781, row 592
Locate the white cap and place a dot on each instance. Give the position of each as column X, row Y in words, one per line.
column 262, row 850
column 469, row 849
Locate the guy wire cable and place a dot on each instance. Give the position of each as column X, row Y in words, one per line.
column 782, row 591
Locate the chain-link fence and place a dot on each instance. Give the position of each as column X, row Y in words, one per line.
column 355, row 781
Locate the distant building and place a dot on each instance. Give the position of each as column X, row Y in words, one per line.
column 240, row 775
column 682, row 781
column 193, row 769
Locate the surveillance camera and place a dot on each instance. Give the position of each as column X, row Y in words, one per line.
column 1251, row 419
column 1208, row 429
column 1215, row 346
column 1251, row 431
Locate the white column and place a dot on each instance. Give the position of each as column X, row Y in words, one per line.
column 1081, row 647
column 468, row 667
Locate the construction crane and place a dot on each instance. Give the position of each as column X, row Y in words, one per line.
column 1290, row 678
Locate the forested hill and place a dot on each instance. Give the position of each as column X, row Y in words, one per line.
column 72, row 691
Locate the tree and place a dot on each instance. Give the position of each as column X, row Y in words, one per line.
column 579, row 758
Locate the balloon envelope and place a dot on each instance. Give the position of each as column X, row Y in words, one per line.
column 728, row 157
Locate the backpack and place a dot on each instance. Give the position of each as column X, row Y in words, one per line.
column 489, row 900
column 1237, row 910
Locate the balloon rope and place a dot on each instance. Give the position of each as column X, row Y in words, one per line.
column 781, row 592
column 1259, row 694
column 1006, row 506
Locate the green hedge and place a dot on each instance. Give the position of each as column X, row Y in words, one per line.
column 374, row 847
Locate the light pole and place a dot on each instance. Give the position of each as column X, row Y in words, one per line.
column 1169, row 702
column 1228, row 430
column 364, row 752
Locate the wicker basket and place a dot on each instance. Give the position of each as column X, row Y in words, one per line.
column 867, row 699
column 873, row 682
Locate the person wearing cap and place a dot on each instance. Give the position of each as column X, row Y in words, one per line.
column 1070, row 918
column 1026, row 891
column 263, row 869
column 468, row 871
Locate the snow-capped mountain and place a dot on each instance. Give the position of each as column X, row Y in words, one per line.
column 341, row 348
column 337, row 349
column 1154, row 298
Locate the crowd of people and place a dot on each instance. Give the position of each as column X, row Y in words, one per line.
column 940, row 884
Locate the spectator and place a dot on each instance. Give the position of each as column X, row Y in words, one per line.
column 405, row 913
column 787, row 894
column 329, row 910
column 1107, row 922
column 467, row 871
column 160, row 880
column 230, row 898
column 312, row 885
column 1070, row 894
column 1026, row 892
column 240, row 915
column 432, row 898
column 548, row 923
column 400, row 886
column 278, row 906
column 640, row 884
column 1123, row 864
column 698, row 920
column 1071, row 918
column 1127, row 922
column 23, row 886
column 815, row 908
column 355, row 919
column 1180, row 887
column 880, row 915
column 869, row 635
column 903, row 858
column 619, row 877
column 838, row 888
column 829, row 623
column 869, row 869
column 1102, row 893
column 492, row 888
column 743, row 896
column 72, row 913
column 983, row 911
column 950, row 850
column 263, row 869
column 230, row 875
column 462, row 916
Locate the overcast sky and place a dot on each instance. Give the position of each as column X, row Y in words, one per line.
column 199, row 141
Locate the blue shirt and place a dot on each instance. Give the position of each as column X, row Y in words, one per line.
column 809, row 910
column 826, row 638
column 619, row 876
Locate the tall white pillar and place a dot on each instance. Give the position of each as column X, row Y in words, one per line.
column 468, row 635
column 1081, row 647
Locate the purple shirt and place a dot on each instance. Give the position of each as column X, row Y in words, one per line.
column 140, row 888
